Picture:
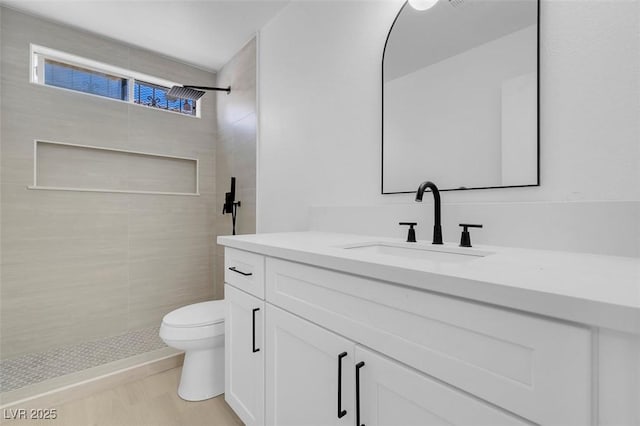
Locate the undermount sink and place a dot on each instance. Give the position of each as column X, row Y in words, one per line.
column 423, row 252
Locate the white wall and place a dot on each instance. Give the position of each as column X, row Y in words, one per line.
column 320, row 130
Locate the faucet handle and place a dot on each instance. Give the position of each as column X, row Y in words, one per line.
column 465, row 239
column 411, row 236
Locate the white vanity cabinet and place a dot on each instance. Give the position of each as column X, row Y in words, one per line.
column 311, row 380
column 533, row 367
column 309, row 373
column 391, row 394
column 337, row 344
column 244, row 335
column 244, row 355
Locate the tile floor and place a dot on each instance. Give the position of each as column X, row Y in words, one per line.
column 33, row 368
column 152, row 401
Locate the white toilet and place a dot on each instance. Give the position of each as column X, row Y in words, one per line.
column 198, row 330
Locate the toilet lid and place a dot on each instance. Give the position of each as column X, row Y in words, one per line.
column 196, row 315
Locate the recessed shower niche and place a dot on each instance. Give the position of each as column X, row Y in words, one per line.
column 63, row 166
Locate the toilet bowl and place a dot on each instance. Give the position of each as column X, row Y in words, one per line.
column 198, row 330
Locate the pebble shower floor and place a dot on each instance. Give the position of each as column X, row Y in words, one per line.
column 33, row 368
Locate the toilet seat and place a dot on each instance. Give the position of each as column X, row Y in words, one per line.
column 194, row 322
column 196, row 315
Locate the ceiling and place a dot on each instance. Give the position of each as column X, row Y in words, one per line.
column 204, row 33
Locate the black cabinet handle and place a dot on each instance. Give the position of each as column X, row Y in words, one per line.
column 358, row 367
column 254, row 330
column 341, row 412
column 233, row 268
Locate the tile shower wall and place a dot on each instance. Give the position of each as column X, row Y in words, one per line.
column 78, row 266
column 236, row 154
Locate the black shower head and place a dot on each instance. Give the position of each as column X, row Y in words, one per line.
column 185, row 93
column 193, row 92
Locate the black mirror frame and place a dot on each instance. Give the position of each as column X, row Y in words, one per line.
column 463, row 188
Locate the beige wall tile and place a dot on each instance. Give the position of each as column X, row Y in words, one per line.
column 236, row 148
column 19, row 27
column 151, row 299
column 49, row 304
column 73, row 167
column 240, row 74
column 219, row 284
column 77, row 266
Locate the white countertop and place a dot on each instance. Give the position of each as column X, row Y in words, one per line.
column 602, row 291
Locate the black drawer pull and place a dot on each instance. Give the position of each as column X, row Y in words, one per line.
column 341, row 412
column 246, row 274
column 254, row 330
column 358, row 367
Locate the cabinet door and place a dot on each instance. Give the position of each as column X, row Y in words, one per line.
column 309, row 373
column 391, row 394
column 535, row 367
column 244, row 355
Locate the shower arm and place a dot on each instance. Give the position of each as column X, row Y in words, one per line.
column 219, row 89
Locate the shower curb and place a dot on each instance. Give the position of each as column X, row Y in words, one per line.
column 54, row 397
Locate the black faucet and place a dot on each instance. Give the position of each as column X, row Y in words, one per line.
column 437, row 224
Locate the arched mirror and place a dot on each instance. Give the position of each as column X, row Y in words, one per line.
column 460, row 96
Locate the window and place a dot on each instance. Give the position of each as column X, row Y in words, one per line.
column 82, row 80
column 66, row 71
column 156, row 96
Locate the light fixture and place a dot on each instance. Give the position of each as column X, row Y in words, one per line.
column 422, row 4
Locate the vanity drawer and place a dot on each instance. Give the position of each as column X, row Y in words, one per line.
column 537, row 368
column 244, row 270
